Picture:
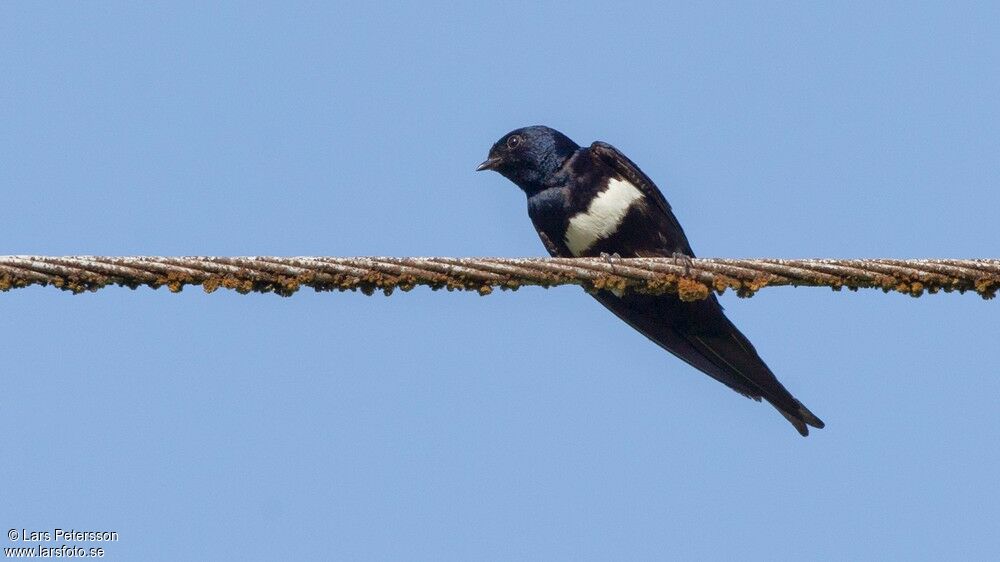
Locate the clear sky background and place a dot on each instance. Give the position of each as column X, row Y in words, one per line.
column 522, row 425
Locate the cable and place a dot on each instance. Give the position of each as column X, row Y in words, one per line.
column 691, row 278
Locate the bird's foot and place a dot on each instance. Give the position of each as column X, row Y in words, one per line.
column 618, row 292
column 608, row 257
column 684, row 261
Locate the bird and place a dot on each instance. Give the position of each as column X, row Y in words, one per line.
column 595, row 202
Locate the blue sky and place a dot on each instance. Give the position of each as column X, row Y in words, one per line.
column 524, row 425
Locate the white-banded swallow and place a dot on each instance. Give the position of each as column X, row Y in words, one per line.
column 594, row 201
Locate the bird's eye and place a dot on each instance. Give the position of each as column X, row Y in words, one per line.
column 513, row 142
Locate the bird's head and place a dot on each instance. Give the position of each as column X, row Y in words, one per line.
column 529, row 156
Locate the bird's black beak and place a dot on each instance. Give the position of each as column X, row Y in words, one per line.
column 489, row 164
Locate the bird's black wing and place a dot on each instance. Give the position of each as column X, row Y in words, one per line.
column 697, row 332
column 626, row 169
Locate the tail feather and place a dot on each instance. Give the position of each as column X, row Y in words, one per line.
column 700, row 334
column 801, row 419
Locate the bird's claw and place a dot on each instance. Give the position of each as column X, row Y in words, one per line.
column 683, row 260
column 608, row 257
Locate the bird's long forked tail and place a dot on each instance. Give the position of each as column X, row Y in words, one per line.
column 802, row 420
column 730, row 358
column 702, row 336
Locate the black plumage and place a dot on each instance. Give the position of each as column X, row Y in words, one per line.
column 593, row 201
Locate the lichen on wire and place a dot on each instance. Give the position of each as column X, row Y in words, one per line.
column 691, row 279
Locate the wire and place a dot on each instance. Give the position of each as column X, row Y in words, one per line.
column 691, row 278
